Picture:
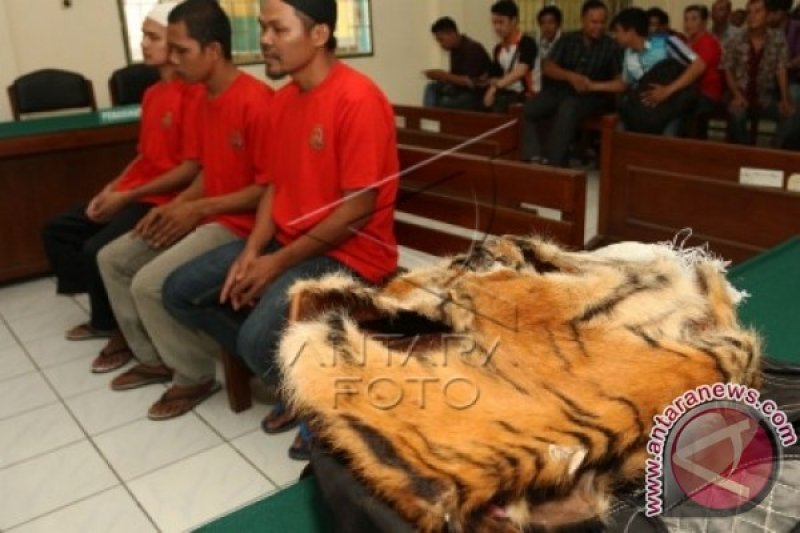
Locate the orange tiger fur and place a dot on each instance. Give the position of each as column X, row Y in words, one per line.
column 572, row 355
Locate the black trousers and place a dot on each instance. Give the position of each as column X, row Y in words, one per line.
column 567, row 111
column 72, row 242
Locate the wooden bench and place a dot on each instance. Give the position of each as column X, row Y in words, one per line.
column 653, row 187
column 447, row 203
column 443, row 129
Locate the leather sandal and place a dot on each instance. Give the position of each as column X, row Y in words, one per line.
column 141, row 375
column 173, row 404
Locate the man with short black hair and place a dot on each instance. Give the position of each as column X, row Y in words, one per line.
column 642, row 53
column 721, row 25
column 658, row 21
column 331, row 181
column 217, row 208
column 549, row 20
column 514, row 59
column 469, row 66
column 576, row 59
column 758, row 81
column 778, row 17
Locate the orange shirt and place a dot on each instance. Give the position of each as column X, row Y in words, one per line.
column 336, row 137
column 167, row 137
column 234, row 124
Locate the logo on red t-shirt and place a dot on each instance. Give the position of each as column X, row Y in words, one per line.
column 236, row 140
column 317, row 140
column 166, row 120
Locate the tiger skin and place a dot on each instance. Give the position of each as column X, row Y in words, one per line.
column 571, row 353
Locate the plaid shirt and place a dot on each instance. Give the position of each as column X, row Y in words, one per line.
column 736, row 59
column 600, row 60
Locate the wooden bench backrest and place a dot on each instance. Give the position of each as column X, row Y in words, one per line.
column 653, row 187
column 454, row 127
column 486, row 197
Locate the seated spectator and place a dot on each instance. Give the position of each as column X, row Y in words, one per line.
column 469, row 66
column 778, row 18
column 549, row 20
column 755, row 64
column 329, row 206
column 576, row 59
column 658, row 24
column 721, row 20
column 642, row 53
column 708, row 48
column 166, row 162
column 739, row 18
column 513, row 60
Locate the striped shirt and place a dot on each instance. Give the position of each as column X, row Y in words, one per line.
column 656, row 49
column 598, row 60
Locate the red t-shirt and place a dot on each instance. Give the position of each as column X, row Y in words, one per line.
column 234, row 124
column 710, row 51
column 167, row 137
column 336, row 137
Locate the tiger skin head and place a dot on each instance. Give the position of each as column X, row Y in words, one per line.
column 513, row 388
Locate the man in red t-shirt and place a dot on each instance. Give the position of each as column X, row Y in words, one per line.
column 219, row 207
column 708, row 48
column 166, row 162
column 331, row 174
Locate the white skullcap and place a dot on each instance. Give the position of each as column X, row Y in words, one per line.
column 160, row 12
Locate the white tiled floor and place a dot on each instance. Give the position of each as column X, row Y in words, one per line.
column 76, row 456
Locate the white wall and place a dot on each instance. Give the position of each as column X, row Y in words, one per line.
column 87, row 38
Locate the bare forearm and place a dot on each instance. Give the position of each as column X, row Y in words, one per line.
column 241, row 201
column 512, row 77
column 173, row 180
column 264, row 229
column 690, row 74
column 612, row 86
column 339, row 226
column 553, row 71
column 195, row 191
column 732, row 86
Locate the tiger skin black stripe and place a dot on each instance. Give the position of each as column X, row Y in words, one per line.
column 632, row 286
column 637, row 414
column 445, row 453
column 717, row 363
column 529, row 255
column 576, row 337
column 557, row 349
column 491, row 370
column 508, row 427
column 611, row 437
column 382, row 448
column 653, row 343
column 570, row 403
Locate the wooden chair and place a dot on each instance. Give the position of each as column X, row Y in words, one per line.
column 128, row 84
column 50, row 90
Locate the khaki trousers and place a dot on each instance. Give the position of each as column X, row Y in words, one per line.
column 134, row 274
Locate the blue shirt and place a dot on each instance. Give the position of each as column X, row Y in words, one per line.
column 656, row 49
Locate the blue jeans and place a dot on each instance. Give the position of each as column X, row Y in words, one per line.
column 439, row 94
column 191, row 295
column 739, row 125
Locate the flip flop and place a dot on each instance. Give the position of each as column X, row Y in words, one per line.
column 186, row 401
column 109, row 361
column 278, row 411
column 85, row 332
column 141, row 375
